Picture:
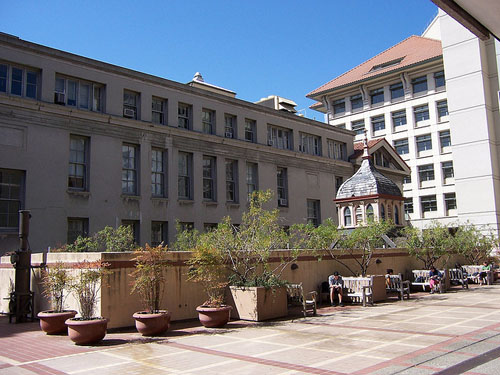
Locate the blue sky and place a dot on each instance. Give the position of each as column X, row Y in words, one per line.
column 256, row 48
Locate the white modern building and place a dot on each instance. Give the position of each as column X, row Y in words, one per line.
column 400, row 95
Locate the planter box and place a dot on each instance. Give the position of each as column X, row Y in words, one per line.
column 379, row 291
column 258, row 303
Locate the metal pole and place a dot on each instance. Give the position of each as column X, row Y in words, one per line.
column 23, row 268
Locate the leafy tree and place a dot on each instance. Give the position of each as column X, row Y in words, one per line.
column 186, row 238
column 106, row 240
column 474, row 245
column 429, row 245
column 55, row 279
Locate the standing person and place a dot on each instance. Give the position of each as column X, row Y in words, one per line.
column 434, row 278
column 483, row 275
column 336, row 285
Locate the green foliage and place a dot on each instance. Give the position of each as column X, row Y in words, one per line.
column 150, row 275
column 55, row 279
column 106, row 240
column 86, row 285
column 186, row 238
column 242, row 252
column 307, row 236
column 474, row 245
column 429, row 245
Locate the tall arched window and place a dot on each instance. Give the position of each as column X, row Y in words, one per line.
column 369, row 212
column 359, row 215
column 396, row 215
column 347, row 217
column 382, row 212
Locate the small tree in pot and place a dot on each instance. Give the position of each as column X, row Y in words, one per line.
column 55, row 281
column 86, row 285
column 207, row 268
column 149, row 282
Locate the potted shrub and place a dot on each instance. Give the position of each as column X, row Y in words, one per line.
column 149, row 282
column 86, row 285
column 55, row 281
column 206, row 268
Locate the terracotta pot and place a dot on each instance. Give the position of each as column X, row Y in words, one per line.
column 214, row 317
column 52, row 322
column 85, row 332
column 149, row 324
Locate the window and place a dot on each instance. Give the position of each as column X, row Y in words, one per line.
column 356, row 102
column 313, row 213
column 208, row 227
column 442, row 109
column 232, row 181
column 184, row 177
column 337, row 150
column 382, row 212
column 369, row 212
column 184, row 116
column 310, row 144
column 230, row 126
column 407, row 179
column 78, row 162
column 421, row 113
column 252, row 178
column 447, row 168
column 209, row 178
column 426, row 172
column 401, row 146
column 347, row 217
column 408, row 206
column 77, row 227
column 279, row 137
column 424, row 142
column 282, row 184
column 11, row 198
column 358, row 127
column 184, row 225
column 338, row 106
column 396, row 215
column 377, row 96
column 338, row 183
column 158, row 109
column 419, row 84
column 159, row 233
column 398, row 118
column 250, row 131
column 20, row 81
column 450, row 201
column 135, row 226
column 340, row 126
column 428, row 203
column 439, row 79
column 158, row 173
column 78, row 93
column 130, row 164
column 358, row 212
column 378, row 123
column 208, row 121
column 397, row 90
column 445, row 139
column 130, row 104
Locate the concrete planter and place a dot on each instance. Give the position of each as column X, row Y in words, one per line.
column 53, row 323
column 258, row 303
column 152, row 324
column 86, row 332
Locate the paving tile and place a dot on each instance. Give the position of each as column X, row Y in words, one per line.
column 354, row 363
column 82, row 361
column 490, row 368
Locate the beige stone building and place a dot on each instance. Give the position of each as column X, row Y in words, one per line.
column 85, row 144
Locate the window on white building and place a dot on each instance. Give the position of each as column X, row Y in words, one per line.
column 447, row 168
column 378, row 123
column 445, row 139
column 358, row 126
column 398, row 119
column 426, row 172
column 450, row 201
column 421, row 113
column 401, row 146
column 356, row 102
column 408, row 206
column 428, row 203
column 439, row 79
column 419, row 84
column 377, row 96
column 338, row 106
column 424, row 143
column 442, row 109
column 397, row 91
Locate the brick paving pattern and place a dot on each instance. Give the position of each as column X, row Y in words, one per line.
column 453, row 333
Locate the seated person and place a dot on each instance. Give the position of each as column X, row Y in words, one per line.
column 336, row 285
column 483, row 275
column 434, row 279
column 390, row 272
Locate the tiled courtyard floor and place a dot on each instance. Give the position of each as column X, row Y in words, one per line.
column 453, row 333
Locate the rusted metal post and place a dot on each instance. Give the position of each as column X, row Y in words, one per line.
column 22, row 264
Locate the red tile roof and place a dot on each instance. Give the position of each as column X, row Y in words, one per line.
column 412, row 50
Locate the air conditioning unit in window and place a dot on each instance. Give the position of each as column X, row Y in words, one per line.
column 129, row 112
column 270, row 142
column 228, row 134
column 59, row 98
column 301, row 148
column 283, row 202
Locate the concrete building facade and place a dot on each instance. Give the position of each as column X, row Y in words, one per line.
column 401, row 95
column 85, row 144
